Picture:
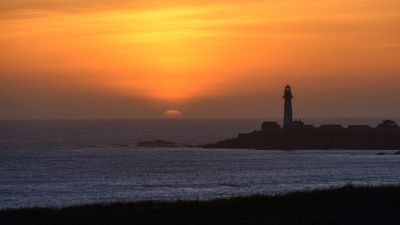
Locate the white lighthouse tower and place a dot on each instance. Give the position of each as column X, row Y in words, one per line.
column 288, row 112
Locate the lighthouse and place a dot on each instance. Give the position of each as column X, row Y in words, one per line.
column 288, row 112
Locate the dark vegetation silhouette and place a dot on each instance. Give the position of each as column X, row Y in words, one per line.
column 343, row 206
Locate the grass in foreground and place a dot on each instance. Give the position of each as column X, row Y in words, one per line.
column 347, row 205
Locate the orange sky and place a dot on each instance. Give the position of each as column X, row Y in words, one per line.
column 127, row 59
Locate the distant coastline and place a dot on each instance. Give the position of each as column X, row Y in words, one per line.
column 330, row 137
column 295, row 134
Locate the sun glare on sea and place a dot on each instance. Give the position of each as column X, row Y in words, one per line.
column 172, row 114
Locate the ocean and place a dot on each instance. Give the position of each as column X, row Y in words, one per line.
column 67, row 162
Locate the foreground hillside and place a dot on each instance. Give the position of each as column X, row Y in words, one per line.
column 347, row 205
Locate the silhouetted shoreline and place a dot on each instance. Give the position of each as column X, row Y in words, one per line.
column 346, row 205
column 311, row 138
column 296, row 135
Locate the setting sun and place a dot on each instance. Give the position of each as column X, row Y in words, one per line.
column 172, row 114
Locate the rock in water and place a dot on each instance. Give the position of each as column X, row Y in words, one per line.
column 157, row 143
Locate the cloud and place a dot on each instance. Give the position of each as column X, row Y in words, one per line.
column 57, row 4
